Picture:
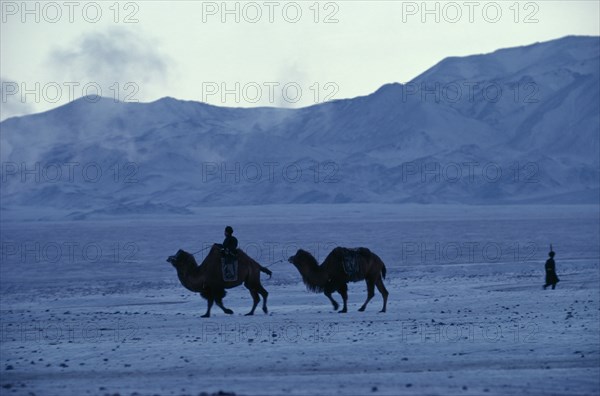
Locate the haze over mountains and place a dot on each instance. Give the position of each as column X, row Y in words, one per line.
column 520, row 125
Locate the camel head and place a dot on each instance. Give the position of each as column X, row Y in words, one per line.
column 292, row 259
column 181, row 259
column 301, row 256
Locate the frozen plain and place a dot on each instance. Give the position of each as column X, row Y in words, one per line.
column 92, row 307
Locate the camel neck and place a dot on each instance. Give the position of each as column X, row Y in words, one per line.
column 313, row 274
column 186, row 278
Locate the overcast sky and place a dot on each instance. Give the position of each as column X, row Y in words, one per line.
column 263, row 53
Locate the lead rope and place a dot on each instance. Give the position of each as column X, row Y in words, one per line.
column 201, row 250
column 272, row 264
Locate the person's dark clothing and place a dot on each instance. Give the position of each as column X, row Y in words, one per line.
column 551, row 277
column 230, row 245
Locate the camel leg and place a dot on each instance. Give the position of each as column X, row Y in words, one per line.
column 219, row 302
column 383, row 291
column 335, row 304
column 370, row 294
column 343, row 290
column 210, row 304
column 255, row 300
column 264, row 293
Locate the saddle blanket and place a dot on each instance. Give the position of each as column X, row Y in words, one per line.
column 230, row 269
column 351, row 266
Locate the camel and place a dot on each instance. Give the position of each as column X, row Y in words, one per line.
column 207, row 278
column 331, row 275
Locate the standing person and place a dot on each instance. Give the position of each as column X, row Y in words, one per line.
column 230, row 243
column 551, row 277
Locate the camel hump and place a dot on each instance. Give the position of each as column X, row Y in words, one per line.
column 216, row 247
column 363, row 251
column 345, row 250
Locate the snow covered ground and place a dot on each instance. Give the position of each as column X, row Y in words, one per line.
column 92, row 307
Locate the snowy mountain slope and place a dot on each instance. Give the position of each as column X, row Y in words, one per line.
column 518, row 125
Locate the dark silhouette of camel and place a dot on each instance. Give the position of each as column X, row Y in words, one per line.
column 207, row 278
column 331, row 276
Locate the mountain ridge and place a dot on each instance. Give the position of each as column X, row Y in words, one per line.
column 399, row 144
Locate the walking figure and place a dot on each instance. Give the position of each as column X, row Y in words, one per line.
column 551, row 278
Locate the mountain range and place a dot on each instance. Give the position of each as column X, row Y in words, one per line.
column 516, row 126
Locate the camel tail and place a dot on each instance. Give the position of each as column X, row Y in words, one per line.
column 383, row 269
column 266, row 271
